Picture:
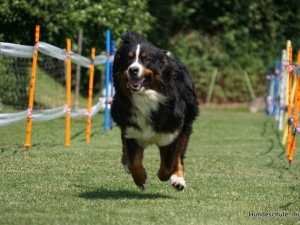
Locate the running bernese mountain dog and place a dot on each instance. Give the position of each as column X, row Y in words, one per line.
column 154, row 103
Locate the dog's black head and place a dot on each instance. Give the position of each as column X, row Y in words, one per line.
column 138, row 65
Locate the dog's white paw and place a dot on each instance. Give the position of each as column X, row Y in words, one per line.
column 144, row 186
column 177, row 182
column 126, row 169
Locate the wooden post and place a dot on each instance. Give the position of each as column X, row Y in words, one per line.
column 211, row 86
column 249, row 86
column 77, row 85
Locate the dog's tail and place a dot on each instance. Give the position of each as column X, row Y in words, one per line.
column 131, row 37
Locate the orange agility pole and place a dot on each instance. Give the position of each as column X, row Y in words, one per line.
column 68, row 90
column 292, row 147
column 90, row 96
column 289, row 97
column 31, row 91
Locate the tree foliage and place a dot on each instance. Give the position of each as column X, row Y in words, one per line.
column 204, row 34
column 62, row 19
column 256, row 29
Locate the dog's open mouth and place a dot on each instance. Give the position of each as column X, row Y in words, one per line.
column 136, row 84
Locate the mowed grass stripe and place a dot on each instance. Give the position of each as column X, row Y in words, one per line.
column 234, row 166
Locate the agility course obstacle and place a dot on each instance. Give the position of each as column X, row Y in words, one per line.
column 107, row 77
column 90, row 96
column 67, row 57
column 31, row 91
column 68, row 89
column 283, row 98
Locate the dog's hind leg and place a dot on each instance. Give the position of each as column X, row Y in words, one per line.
column 177, row 179
column 132, row 161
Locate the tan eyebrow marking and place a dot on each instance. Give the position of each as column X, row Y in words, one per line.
column 144, row 54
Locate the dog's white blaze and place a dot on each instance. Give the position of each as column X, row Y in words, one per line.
column 136, row 63
column 146, row 102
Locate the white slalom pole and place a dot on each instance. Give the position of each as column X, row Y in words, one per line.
column 282, row 89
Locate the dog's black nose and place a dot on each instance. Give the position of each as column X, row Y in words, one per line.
column 133, row 71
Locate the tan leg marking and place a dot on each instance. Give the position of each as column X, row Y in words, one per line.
column 137, row 170
column 177, row 179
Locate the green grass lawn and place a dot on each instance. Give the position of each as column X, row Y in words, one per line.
column 234, row 166
column 51, row 93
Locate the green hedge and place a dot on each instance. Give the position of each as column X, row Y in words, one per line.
column 202, row 53
column 14, row 82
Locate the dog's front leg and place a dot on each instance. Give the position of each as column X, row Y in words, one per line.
column 177, row 178
column 132, row 161
column 167, row 154
column 171, row 166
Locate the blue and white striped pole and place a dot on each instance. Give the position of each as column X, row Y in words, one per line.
column 107, row 76
column 112, row 53
column 276, row 89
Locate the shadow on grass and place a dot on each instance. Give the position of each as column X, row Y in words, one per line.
column 10, row 147
column 291, row 204
column 119, row 194
column 269, row 124
column 83, row 131
column 77, row 134
column 269, row 128
column 271, row 146
column 3, row 150
column 94, row 133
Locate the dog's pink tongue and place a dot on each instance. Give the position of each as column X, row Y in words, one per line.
column 135, row 81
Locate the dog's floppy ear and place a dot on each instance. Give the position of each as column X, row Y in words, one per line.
column 166, row 52
column 163, row 56
column 167, row 71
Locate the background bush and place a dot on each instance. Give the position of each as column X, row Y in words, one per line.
column 14, row 82
column 231, row 35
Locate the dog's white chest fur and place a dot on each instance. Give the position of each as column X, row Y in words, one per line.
column 146, row 102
